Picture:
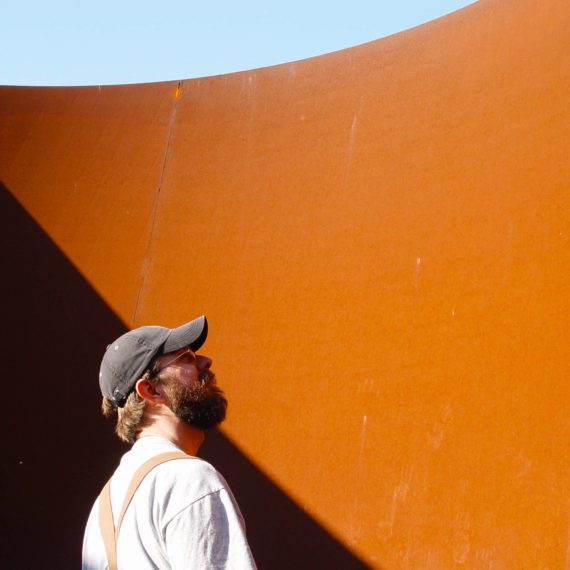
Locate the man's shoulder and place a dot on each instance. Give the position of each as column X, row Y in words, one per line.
column 189, row 476
column 188, row 466
column 150, row 448
column 176, row 485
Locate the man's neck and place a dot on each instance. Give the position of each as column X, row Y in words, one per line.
column 186, row 437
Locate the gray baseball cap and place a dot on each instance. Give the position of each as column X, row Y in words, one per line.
column 127, row 358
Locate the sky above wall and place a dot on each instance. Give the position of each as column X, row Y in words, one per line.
column 73, row 42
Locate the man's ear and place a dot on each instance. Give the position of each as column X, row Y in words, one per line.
column 150, row 391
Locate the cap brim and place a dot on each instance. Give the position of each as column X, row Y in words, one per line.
column 192, row 334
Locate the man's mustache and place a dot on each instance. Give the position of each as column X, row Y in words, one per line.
column 205, row 376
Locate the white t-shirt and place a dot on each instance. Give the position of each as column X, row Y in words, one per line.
column 183, row 515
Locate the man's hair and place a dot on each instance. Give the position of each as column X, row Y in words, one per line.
column 130, row 418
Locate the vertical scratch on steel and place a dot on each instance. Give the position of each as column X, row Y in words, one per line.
column 350, row 149
column 355, row 528
column 351, row 143
column 417, row 272
column 362, row 438
column 146, row 258
column 567, row 562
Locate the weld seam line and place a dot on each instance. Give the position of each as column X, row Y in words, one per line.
column 144, row 268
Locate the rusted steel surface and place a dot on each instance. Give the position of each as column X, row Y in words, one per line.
column 380, row 239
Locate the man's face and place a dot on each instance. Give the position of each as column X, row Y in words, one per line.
column 191, row 388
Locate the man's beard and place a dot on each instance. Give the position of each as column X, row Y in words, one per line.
column 202, row 406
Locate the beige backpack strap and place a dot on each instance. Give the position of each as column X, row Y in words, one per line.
column 109, row 532
column 107, row 525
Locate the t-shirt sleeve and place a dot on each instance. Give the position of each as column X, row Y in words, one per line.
column 209, row 534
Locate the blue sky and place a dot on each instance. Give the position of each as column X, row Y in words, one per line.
column 74, row 42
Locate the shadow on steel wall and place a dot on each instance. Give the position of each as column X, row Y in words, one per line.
column 58, row 450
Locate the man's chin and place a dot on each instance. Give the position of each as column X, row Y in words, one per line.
column 203, row 407
column 204, row 415
column 203, row 425
column 208, row 427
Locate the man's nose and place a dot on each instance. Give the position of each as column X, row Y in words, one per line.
column 204, row 362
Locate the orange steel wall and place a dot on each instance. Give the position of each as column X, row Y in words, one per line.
column 380, row 239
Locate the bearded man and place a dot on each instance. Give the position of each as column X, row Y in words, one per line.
column 163, row 507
